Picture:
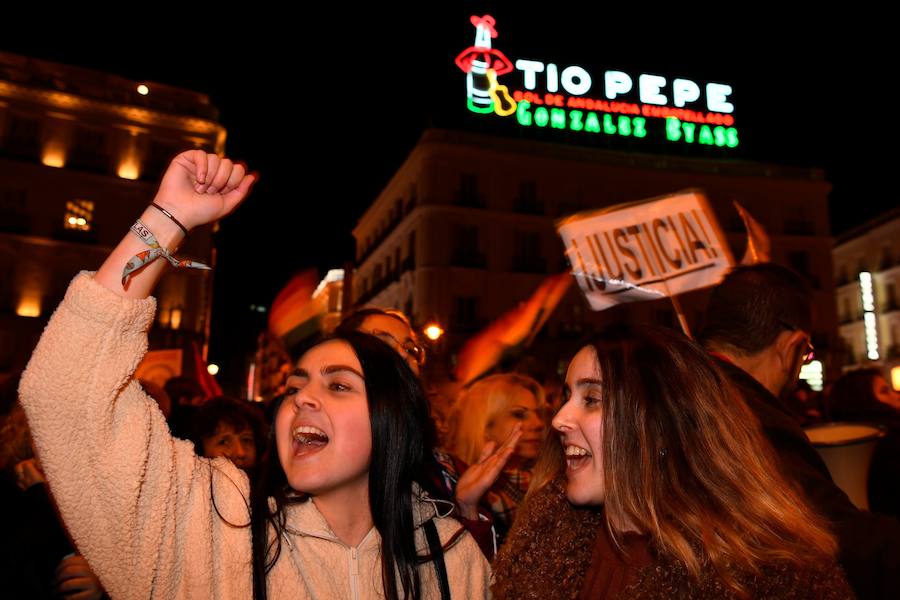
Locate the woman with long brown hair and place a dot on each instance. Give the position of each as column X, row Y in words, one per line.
column 660, row 484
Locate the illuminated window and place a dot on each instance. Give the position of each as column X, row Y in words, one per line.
column 79, row 215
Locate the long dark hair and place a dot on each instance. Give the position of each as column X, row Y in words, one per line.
column 401, row 436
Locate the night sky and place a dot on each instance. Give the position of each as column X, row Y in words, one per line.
column 326, row 105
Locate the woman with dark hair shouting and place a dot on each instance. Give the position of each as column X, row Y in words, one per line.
column 659, row 484
column 338, row 512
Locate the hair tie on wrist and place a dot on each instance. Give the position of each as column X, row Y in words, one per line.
column 170, row 215
column 141, row 259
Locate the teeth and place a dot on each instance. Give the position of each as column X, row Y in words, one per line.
column 308, row 429
column 306, row 434
column 576, row 451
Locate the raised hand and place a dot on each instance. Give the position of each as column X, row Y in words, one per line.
column 197, row 188
column 479, row 478
column 200, row 188
column 28, row 473
column 76, row 581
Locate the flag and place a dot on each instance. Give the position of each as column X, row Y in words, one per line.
column 759, row 248
column 518, row 326
column 295, row 315
column 209, row 384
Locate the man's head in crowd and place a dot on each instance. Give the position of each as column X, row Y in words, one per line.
column 760, row 317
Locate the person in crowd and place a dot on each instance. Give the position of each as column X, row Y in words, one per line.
column 393, row 328
column 863, row 395
column 227, row 427
column 758, row 329
column 186, row 396
column 37, row 558
column 659, row 484
column 489, row 411
column 804, row 403
column 158, row 393
column 337, row 512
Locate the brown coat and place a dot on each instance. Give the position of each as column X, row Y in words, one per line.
column 549, row 549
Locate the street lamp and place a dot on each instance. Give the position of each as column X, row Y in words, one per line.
column 433, row 331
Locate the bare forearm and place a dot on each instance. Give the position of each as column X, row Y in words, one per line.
column 142, row 282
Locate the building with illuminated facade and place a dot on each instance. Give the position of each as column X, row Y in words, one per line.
column 464, row 229
column 81, row 152
column 867, row 279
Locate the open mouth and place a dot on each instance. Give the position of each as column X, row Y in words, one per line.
column 307, row 439
column 576, row 457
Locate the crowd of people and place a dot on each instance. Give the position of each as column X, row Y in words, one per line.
column 671, row 468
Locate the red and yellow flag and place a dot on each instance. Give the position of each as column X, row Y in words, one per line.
column 517, row 326
column 295, row 314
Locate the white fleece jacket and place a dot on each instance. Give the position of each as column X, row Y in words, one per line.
column 138, row 501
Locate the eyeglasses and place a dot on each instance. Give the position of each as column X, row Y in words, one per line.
column 416, row 352
column 810, row 352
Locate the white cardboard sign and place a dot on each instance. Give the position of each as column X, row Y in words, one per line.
column 646, row 250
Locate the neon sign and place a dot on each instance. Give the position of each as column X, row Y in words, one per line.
column 563, row 97
column 867, row 295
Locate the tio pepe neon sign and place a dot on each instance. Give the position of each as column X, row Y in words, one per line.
column 691, row 113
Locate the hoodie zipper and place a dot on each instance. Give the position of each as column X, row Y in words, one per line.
column 354, row 574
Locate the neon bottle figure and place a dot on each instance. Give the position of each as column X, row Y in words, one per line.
column 477, row 60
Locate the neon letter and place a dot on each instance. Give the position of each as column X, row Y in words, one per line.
column 716, row 94
column 649, row 86
column 552, row 78
column 530, row 68
column 558, row 118
column 522, row 114
column 684, row 91
column 575, row 80
column 616, row 83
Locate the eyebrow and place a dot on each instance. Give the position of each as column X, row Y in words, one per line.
column 328, row 370
column 588, row 381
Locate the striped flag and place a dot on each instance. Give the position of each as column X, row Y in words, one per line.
column 295, row 314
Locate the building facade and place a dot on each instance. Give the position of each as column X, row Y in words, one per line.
column 465, row 228
column 81, row 152
column 867, row 279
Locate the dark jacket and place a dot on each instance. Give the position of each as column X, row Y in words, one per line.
column 869, row 543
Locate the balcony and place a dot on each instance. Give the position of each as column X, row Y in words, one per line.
column 469, row 199
column 529, row 264
column 468, row 259
column 528, row 206
column 389, row 228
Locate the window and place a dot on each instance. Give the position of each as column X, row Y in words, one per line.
column 466, row 312
column 886, row 259
column 527, row 253
column 79, row 215
column 413, row 199
column 890, row 301
column 89, row 151
column 465, row 247
column 468, row 191
column 23, row 136
column 527, row 201
column 13, row 216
